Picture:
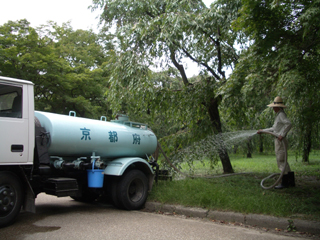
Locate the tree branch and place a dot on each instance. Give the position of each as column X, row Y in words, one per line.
column 219, row 56
column 202, row 63
column 179, row 67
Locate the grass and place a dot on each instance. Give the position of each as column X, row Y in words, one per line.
column 242, row 193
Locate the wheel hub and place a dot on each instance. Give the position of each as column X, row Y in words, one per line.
column 135, row 191
column 7, row 199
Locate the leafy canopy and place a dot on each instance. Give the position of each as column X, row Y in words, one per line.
column 65, row 65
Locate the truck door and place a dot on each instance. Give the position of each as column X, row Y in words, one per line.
column 13, row 124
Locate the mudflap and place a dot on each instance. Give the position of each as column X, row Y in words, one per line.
column 29, row 201
column 29, row 197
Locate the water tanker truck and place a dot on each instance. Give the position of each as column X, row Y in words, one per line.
column 65, row 155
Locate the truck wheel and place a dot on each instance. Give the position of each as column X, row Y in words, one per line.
column 133, row 190
column 10, row 198
column 114, row 193
column 111, row 195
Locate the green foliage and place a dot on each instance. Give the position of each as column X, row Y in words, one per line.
column 239, row 194
column 65, row 66
column 242, row 193
column 160, row 33
column 20, row 51
column 282, row 60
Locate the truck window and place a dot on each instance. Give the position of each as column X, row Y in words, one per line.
column 10, row 101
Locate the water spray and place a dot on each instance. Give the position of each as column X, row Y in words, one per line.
column 274, row 174
column 232, row 137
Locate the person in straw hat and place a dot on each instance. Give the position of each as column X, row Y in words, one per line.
column 281, row 127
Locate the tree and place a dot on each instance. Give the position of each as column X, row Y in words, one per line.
column 282, row 60
column 66, row 66
column 162, row 32
column 20, row 50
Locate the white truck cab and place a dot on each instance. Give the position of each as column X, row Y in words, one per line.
column 16, row 121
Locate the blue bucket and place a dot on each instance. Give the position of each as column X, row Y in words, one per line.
column 95, row 177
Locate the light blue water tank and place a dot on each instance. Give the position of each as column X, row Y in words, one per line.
column 78, row 137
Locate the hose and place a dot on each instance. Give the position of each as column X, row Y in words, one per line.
column 274, row 174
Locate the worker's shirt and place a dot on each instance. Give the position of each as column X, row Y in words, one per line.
column 281, row 125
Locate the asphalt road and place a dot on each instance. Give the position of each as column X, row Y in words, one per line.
column 64, row 218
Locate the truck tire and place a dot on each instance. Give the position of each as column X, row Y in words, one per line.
column 133, row 190
column 10, row 198
column 114, row 193
column 110, row 195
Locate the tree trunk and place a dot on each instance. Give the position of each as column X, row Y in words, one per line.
column 249, row 145
column 215, row 120
column 213, row 113
column 307, row 144
column 261, row 144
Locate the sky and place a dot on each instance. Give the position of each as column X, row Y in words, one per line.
column 39, row 12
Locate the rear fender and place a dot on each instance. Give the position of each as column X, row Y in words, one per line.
column 118, row 166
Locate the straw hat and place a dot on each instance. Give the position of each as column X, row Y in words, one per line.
column 278, row 102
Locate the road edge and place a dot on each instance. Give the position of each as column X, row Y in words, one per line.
column 255, row 220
